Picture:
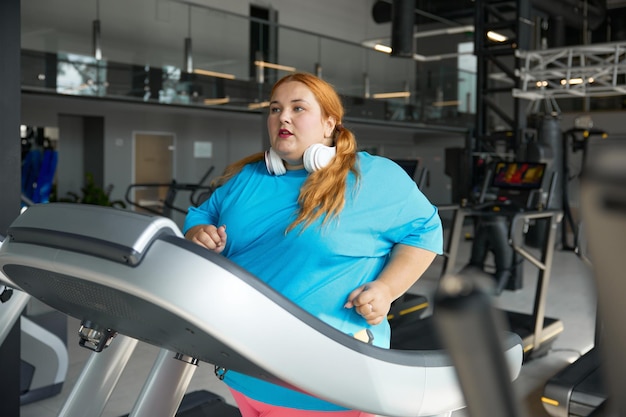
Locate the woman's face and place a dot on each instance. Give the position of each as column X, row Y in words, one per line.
column 295, row 122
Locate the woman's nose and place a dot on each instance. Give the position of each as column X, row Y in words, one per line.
column 284, row 116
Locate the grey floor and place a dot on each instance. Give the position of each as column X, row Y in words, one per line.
column 571, row 298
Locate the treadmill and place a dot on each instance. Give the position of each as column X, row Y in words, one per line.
column 586, row 388
column 130, row 276
column 603, row 204
column 578, row 390
column 538, row 332
column 581, row 388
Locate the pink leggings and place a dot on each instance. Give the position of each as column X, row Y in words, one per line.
column 251, row 408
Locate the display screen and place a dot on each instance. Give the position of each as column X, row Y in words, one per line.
column 409, row 165
column 519, row 175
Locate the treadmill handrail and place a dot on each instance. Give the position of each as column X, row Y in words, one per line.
column 519, row 221
column 159, row 301
column 82, row 233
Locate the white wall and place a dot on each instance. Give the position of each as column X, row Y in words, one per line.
column 233, row 135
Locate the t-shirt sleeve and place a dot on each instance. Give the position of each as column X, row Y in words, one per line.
column 206, row 213
column 425, row 230
column 416, row 220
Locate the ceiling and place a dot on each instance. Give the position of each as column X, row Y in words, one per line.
column 567, row 22
column 462, row 11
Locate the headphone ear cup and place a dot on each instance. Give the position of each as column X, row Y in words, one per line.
column 274, row 163
column 317, row 156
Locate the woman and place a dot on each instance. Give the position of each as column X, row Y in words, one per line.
column 341, row 233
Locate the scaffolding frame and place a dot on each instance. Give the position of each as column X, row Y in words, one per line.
column 596, row 70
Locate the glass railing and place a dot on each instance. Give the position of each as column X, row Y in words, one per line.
column 181, row 54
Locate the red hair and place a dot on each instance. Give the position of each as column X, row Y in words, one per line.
column 323, row 192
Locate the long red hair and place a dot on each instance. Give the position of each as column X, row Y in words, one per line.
column 323, row 192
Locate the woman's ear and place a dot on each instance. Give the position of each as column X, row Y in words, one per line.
column 329, row 126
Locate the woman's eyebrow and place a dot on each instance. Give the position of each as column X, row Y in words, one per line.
column 296, row 100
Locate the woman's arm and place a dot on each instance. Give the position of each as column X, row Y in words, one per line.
column 405, row 266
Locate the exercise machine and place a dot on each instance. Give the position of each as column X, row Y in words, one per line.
column 131, row 276
column 575, row 140
column 12, row 303
column 44, row 355
column 470, row 327
column 537, row 331
column 198, row 193
column 595, row 392
column 578, row 389
column 603, row 198
column 581, row 389
column 510, row 221
column 517, row 187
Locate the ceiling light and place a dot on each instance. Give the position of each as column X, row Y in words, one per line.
column 397, row 94
column 264, row 64
column 382, row 48
column 254, row 106
column 496, row 37
column 216, row 101
column 446, row 103
column 371, row 43
column 378, row 43
column 444, row 31
column 214, row 74
column 575, row 81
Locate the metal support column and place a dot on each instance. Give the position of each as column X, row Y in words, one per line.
column 499, row 116
column 10, row 183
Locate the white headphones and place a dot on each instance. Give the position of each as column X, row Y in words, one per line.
column 315, row 157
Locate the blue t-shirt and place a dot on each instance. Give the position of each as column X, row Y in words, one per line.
column 318, row 267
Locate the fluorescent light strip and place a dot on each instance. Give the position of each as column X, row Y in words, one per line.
column 382, row 48
column 446, row 103
column 425, row 34
column 444, row 31
column 216, row 101
column 576, row 81
column 496, row 37
column 264, row 64
column 214, row 74
column 253, row 106
column 398, row 94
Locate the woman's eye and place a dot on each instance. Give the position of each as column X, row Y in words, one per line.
column 298, row 108
column 274, row 110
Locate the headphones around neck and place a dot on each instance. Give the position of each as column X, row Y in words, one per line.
column 315, row 157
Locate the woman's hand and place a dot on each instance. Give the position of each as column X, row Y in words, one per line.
column 209, row 236
column 372, row 301
column 406, row 265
